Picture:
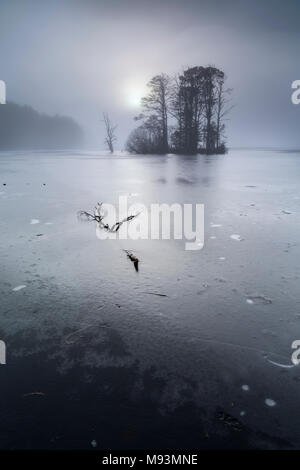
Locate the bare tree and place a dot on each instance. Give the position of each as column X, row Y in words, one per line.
column 110, row 132
column 155, row 105
column 222, row 109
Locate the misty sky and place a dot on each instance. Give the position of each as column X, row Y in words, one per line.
column 82, row 57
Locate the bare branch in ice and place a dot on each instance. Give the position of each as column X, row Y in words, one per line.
column 98, row 217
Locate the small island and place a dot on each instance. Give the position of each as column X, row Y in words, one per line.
column 183, row 115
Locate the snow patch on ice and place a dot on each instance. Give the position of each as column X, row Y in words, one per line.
column 246, row 388
column 270, row 402
column 236, row 237
column 17, row 288
column 34, row 221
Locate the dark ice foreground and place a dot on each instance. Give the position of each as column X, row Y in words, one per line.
column 94, row 360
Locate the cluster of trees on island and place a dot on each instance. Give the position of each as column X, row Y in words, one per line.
column 184, row 115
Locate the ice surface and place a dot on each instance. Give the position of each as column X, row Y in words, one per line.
column 198, row 344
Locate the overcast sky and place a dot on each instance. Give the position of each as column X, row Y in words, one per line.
column 81, row 57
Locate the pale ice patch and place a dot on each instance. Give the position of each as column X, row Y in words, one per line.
column 236, row 237
column 250, row 301
column 17, row 288
column 213, row 237
column 135, row 181
column 34, row 221
column 48, row 223
column 246, row 388
column 270, row 402
column 259, row 299
column 215, row 225
column 222, row 258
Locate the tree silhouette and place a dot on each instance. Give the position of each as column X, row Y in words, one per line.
column 195, row 101
column 155, row 107
column 22, row 127
column 110, row 138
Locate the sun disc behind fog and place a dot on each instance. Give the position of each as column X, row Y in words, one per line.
column 133, row 95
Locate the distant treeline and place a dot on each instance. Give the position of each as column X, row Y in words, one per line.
column 21, row 127
column 185, row 114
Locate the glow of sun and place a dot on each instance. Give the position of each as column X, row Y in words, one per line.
column 134, row 99
column 133, row 95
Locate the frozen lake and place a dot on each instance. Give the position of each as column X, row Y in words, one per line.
column 92, row 356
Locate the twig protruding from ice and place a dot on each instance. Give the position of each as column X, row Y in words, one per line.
column 98, row 217
column 133, row 258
